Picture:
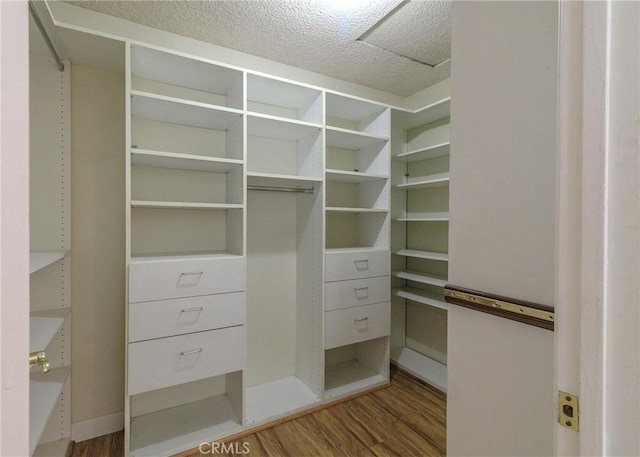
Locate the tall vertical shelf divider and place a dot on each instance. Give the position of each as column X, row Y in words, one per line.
column 185, row 251
column 50, row 258
column 420, row 195
column 284, row 248
column 357, row 207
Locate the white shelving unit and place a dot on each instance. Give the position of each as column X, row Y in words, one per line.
column 50, row 258
column 420, row 177
column 186, row 236
column 357, row 206
column 284, row 248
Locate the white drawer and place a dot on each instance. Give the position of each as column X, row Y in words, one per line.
column 356, row 264
column 356, row 292
column 166, row 362
column 353, row 325
column 157, row 319
column 185, row 277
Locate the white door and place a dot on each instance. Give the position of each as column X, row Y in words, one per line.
column 598, row 245
column 14, row 228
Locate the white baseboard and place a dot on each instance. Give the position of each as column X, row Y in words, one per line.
column 98, row 426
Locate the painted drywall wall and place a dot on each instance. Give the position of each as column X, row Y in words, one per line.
column 503, row 139
column 98, row 273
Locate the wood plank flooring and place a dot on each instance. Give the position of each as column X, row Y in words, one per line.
column 406, row 419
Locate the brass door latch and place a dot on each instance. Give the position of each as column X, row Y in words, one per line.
column 568, row 411
column 39, row 358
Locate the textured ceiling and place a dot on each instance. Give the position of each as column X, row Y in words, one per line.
column 383, row 44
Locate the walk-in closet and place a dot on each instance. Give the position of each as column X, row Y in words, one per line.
column 282, row 241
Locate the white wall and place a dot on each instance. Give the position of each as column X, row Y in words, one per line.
column 14, row 228
column 98, row 273
column 503, row 140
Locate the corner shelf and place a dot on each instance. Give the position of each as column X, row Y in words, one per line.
column 406, row 119
column 44, row 390
column 44, row 326
column 276, row 398
column 429, row 255
column 42, row 259
column 348, row 377
column 355, row 177
column 159, row 159
column 423, row 278
column 421, row 296
column 436, row 180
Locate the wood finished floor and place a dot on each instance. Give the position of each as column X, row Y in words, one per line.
column 406, row 419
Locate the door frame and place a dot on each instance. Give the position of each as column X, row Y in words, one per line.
column 597, row 267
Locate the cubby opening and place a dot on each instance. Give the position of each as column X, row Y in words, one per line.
column 282, row 99
column 169, row 420
column 352, row 230
column 351, row 114
column 356, row 366
column 172, row 75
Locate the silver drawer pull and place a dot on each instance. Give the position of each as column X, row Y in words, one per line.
column 192, row 310
column 193, row 351
column 361, row 320
column 362, row 264
column 358, row 289
column 192, row 273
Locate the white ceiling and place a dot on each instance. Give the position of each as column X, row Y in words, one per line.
column 389, row 45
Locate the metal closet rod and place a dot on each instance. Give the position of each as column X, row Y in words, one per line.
column 45, row 35
column 299, row 190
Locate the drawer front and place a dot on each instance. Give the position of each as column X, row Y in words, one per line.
column 356, row 292
column 170, row 361
column 158, row 319
column 353, row 325
column 163, row 279
column 340, row 266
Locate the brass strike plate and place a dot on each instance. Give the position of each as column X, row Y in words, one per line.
column 568, row 410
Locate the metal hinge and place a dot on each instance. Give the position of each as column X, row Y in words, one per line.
column 568, row 413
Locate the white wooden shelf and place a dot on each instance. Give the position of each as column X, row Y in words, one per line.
column 183, row 256
column 42, row 259
column 44, row 389
column 430, row 255
column 184, row 205
column 406, row 120
column 430, row 371
column 349, row 377
column 421, row 296
column 277, row 398
column 425, row 217
column 352, row 176
column 423, row 278
column 276, row 180
column 53, row 448
column 281, row 128
column 436, row 180
column 180, row 111
column 430, row 152
column 173, row 430
column 159, row 159
column 351, row 139
column 354, row 250
column 44, row 326
column 340, row 209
